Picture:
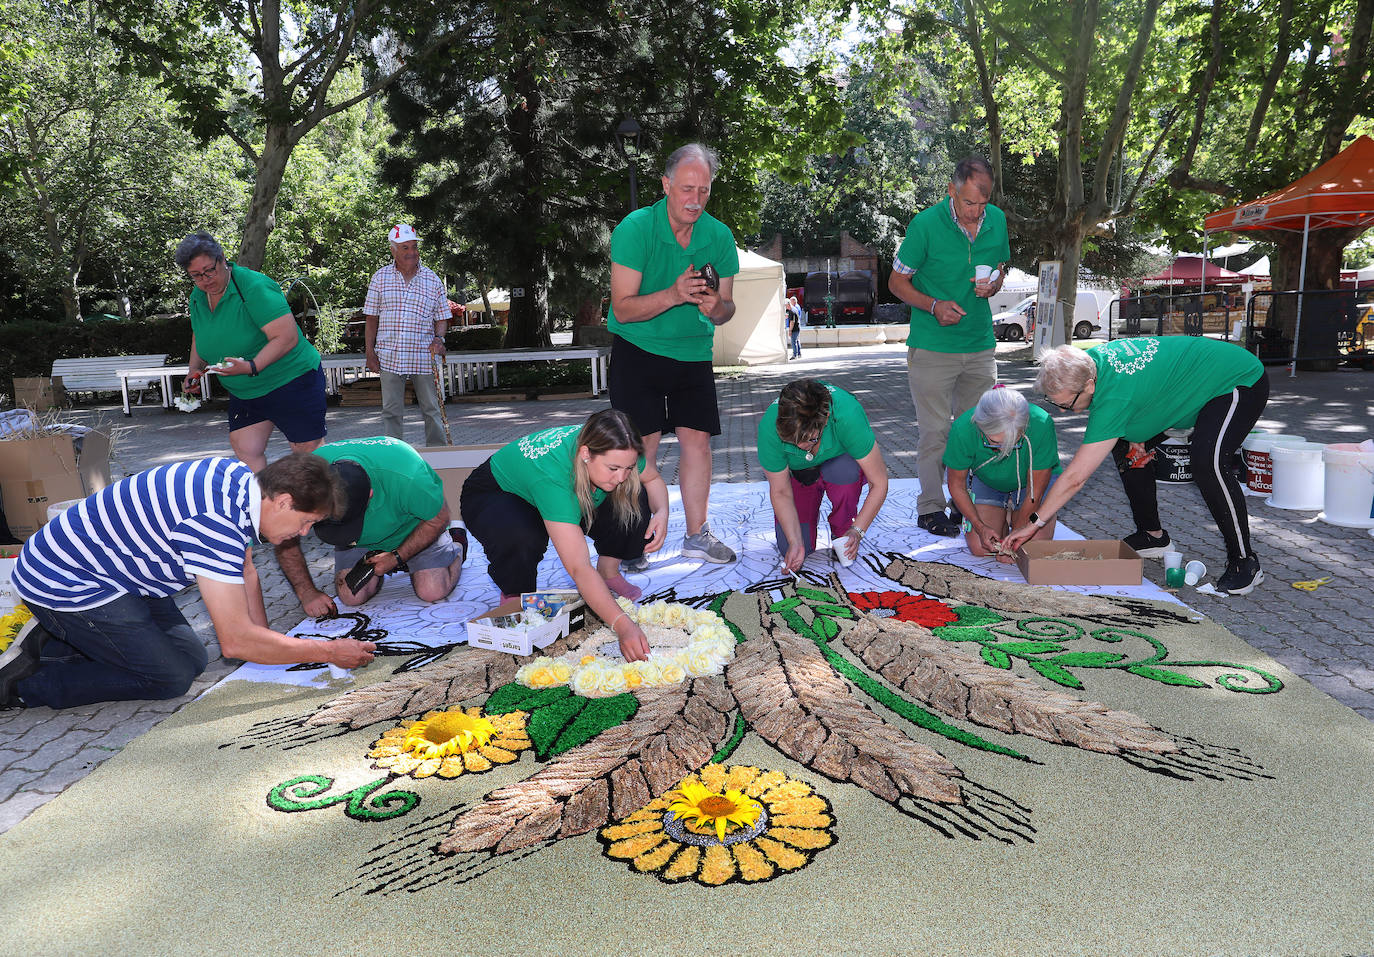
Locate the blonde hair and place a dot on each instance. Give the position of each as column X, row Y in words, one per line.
column 1065, row 369
column 609, row 430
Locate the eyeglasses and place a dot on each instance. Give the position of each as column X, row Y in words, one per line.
column 1072, row 402
column 204, row 274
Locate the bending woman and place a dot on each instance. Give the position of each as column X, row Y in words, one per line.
column 1002, row 457
column 1133, row 391
column 564, row 484
column 815, row 440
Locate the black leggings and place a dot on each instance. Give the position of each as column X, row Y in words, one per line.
column 514, row 536
column 1222, row 425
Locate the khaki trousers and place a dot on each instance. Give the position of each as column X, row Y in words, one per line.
column 944, row 385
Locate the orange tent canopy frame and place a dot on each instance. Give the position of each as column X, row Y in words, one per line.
column 1340, row 192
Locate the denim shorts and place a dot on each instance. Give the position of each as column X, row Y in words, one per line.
column 985, row 494
column 297, row 408
column 441, row 553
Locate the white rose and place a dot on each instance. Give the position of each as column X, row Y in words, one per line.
column 586, row 679
column 611, row 682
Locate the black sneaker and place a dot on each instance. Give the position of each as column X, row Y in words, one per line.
column 956, row 516
column 938, row 523
column 1147, row 545
column 20, row 660
column 1241, row 577
column 460, row 538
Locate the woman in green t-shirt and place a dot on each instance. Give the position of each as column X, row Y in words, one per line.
column 815, row 441
column 242, row 326
column 565, row 484
column 1002, row 457
column 1134, row 390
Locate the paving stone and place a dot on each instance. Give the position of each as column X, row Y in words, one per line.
column 13, row 780
column 57, row 750
column 21, row 805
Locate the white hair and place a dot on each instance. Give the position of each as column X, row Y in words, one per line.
column 693, row 153
column 1004, row 412
column 1065, row 369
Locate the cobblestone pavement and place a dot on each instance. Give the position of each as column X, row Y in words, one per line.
column 1324, row 636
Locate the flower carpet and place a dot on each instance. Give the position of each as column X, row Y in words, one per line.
column 905, row 755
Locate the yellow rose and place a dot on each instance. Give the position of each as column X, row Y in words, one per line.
column 649, row 672
column 612, row 681
column 673, row 673
column 585, row 680
column 698, row 663
column 588, row 659
column 633, row 679
column 561, row 671
column 542, row 678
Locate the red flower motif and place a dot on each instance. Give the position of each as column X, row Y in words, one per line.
column 904, row 606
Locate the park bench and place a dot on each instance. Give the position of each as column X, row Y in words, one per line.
column 101, row 373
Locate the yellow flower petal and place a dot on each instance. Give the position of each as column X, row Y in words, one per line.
column 718, row 865
column 713, row 776
column 801, row 805
column 451, row 766
column 684, row 865
column 428, row 767
column 753, row 865
column 475, row 762
column 637, row 845
column 652, row 860
column 804, row 838
column 807, row 819
column 629, row 828
column 780, row 854
column 741, row 776
column 497, row 755
column 765, row 782
column 787, row 790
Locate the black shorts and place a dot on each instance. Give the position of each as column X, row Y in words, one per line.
column 661, row 394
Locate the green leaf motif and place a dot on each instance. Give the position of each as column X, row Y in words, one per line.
column 517, row 697
column 826, row 628
column 975, row 615
column 960, row 633
column 996, row 657
column 547, row 723
column 599, row 714
column 1087, row 659
column 1030, row 647
column 1057, row 674
column 1166, row 677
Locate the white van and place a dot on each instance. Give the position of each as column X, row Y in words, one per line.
column 1089, row 316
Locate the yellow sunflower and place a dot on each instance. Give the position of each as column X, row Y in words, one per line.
column 449, row 743
column 722, row 824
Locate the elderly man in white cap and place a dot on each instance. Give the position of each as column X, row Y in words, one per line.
column 407, row 314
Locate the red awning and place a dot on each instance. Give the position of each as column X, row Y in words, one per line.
column 1340, row 192
column 1187, row 271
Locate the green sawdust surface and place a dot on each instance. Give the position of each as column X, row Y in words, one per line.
column 171, row 848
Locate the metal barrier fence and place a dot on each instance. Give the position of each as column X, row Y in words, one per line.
column 1321, row 327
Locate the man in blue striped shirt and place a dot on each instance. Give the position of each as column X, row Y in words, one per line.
column 100, row 579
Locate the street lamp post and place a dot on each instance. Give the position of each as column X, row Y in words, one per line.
column 627, row 145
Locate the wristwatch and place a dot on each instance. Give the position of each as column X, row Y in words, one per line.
column 1036, row 520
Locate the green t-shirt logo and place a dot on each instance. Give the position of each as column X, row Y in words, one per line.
column 1116, row 357
column 542, row 443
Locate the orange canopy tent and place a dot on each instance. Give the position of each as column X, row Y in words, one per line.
column 1340, row 192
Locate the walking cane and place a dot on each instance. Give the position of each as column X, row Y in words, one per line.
column 439, row 391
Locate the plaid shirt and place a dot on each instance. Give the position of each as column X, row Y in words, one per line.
column 406, row 311
column 902, row 269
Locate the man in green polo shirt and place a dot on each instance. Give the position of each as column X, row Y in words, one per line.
column 395, row 507
column 672, row 283
column 951, row 349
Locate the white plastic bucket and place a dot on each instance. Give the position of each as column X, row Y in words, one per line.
column 1349, row 486
column 1299, row 476
column 1259, row 464
column 1174, row 461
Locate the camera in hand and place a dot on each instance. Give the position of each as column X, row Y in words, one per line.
column 709, row 274
column 362, row 573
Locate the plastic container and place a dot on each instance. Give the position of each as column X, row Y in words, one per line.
column 1174, row 462
column 1349, row 486
column 1259, row 463
column 57, row 508
column 1299, row 476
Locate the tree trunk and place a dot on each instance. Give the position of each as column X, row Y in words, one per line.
column 1069, row 251
column 261, row 215
column 528, row 322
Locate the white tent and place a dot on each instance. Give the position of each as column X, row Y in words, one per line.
column 1259, row 269
column 758, row 332
column 499, row 298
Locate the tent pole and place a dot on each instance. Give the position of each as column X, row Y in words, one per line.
column 1302, row 290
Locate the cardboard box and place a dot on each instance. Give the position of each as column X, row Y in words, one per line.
column 1086, row 562
column 38, row 472
column 39, row 394
column 455, row 463
column 483, row 633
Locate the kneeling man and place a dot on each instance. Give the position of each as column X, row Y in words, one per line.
column 100, row 579
column 395, row 507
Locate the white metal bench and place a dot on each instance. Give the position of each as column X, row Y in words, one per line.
column 101, row 373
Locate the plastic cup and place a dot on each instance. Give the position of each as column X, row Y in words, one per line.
column 1174, row 577
column 1173, row 560
column 1194, row 572
column 982, row 273
column 840, row 557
